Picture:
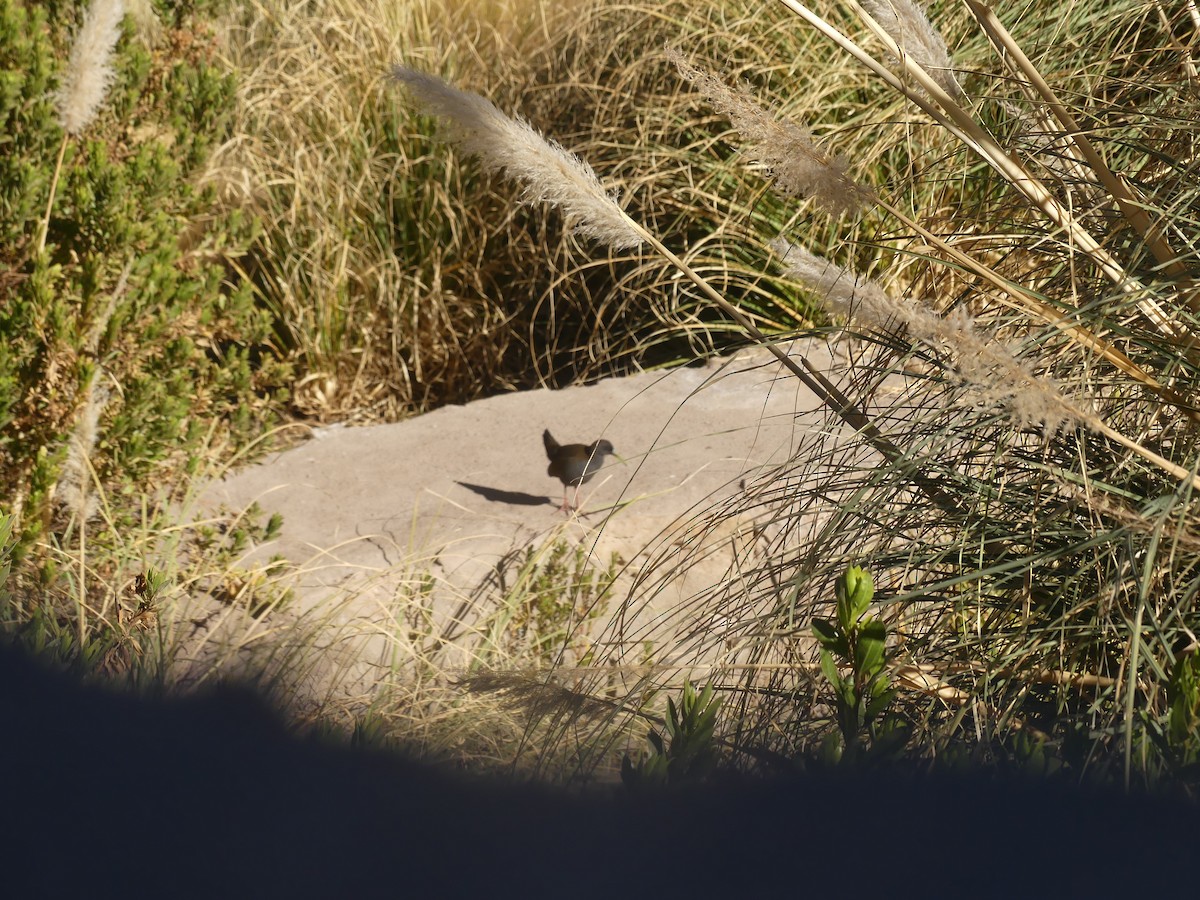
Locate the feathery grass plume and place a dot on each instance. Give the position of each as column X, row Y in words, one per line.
column 72, row 490
column 532, row 692
column 913, row 34
column 982, row 360
column 89, row 75
column 547, row 171
column 89, row 71
column 797, row 165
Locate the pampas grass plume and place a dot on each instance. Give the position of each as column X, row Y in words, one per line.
column 912, row 32
column 76, row 475
column 982, row 360
column 512, row 147
column 797, row 165
column 89, row 71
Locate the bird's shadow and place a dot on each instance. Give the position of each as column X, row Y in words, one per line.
column 515, row 498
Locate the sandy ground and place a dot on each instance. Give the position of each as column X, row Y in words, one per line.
column 375, row 516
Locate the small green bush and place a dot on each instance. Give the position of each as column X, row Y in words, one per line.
column 689, row 753
column 858, row 642
column 128, row 316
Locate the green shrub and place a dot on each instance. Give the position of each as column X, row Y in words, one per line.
column 126, row 330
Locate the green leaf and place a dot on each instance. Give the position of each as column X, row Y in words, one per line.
column 689, row 695
column 846, row 693
column 656, row 770
column 831, row 749
column 854, row 592
column 879, row 703
column 829, row 668
column 892, row 736
column 656, row 741
column 879, row 684
column 869, row 651
column 707, row 720
column 825, row 632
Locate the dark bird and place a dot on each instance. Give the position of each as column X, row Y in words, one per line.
column 574, row 464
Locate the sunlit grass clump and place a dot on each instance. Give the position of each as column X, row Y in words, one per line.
column 1028, row 516
column 400, row 276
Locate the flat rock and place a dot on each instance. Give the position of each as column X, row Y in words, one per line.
column 401, row 531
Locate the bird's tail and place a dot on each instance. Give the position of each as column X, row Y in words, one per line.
column 551, row 444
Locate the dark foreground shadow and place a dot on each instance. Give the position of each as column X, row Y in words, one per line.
column 113, row 796
column 495, row 495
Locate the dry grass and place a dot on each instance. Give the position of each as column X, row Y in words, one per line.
column 1012, row 587
column 403, row 280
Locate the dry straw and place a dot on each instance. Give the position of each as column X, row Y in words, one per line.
column 811, row 171
column 801, row 168
column 959, row 122
column 982, row 360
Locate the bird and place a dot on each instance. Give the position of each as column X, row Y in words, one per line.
column 574, row 464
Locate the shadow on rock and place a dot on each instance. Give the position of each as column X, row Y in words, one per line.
column 515, row 498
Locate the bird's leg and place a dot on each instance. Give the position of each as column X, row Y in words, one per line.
column 566, row 507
